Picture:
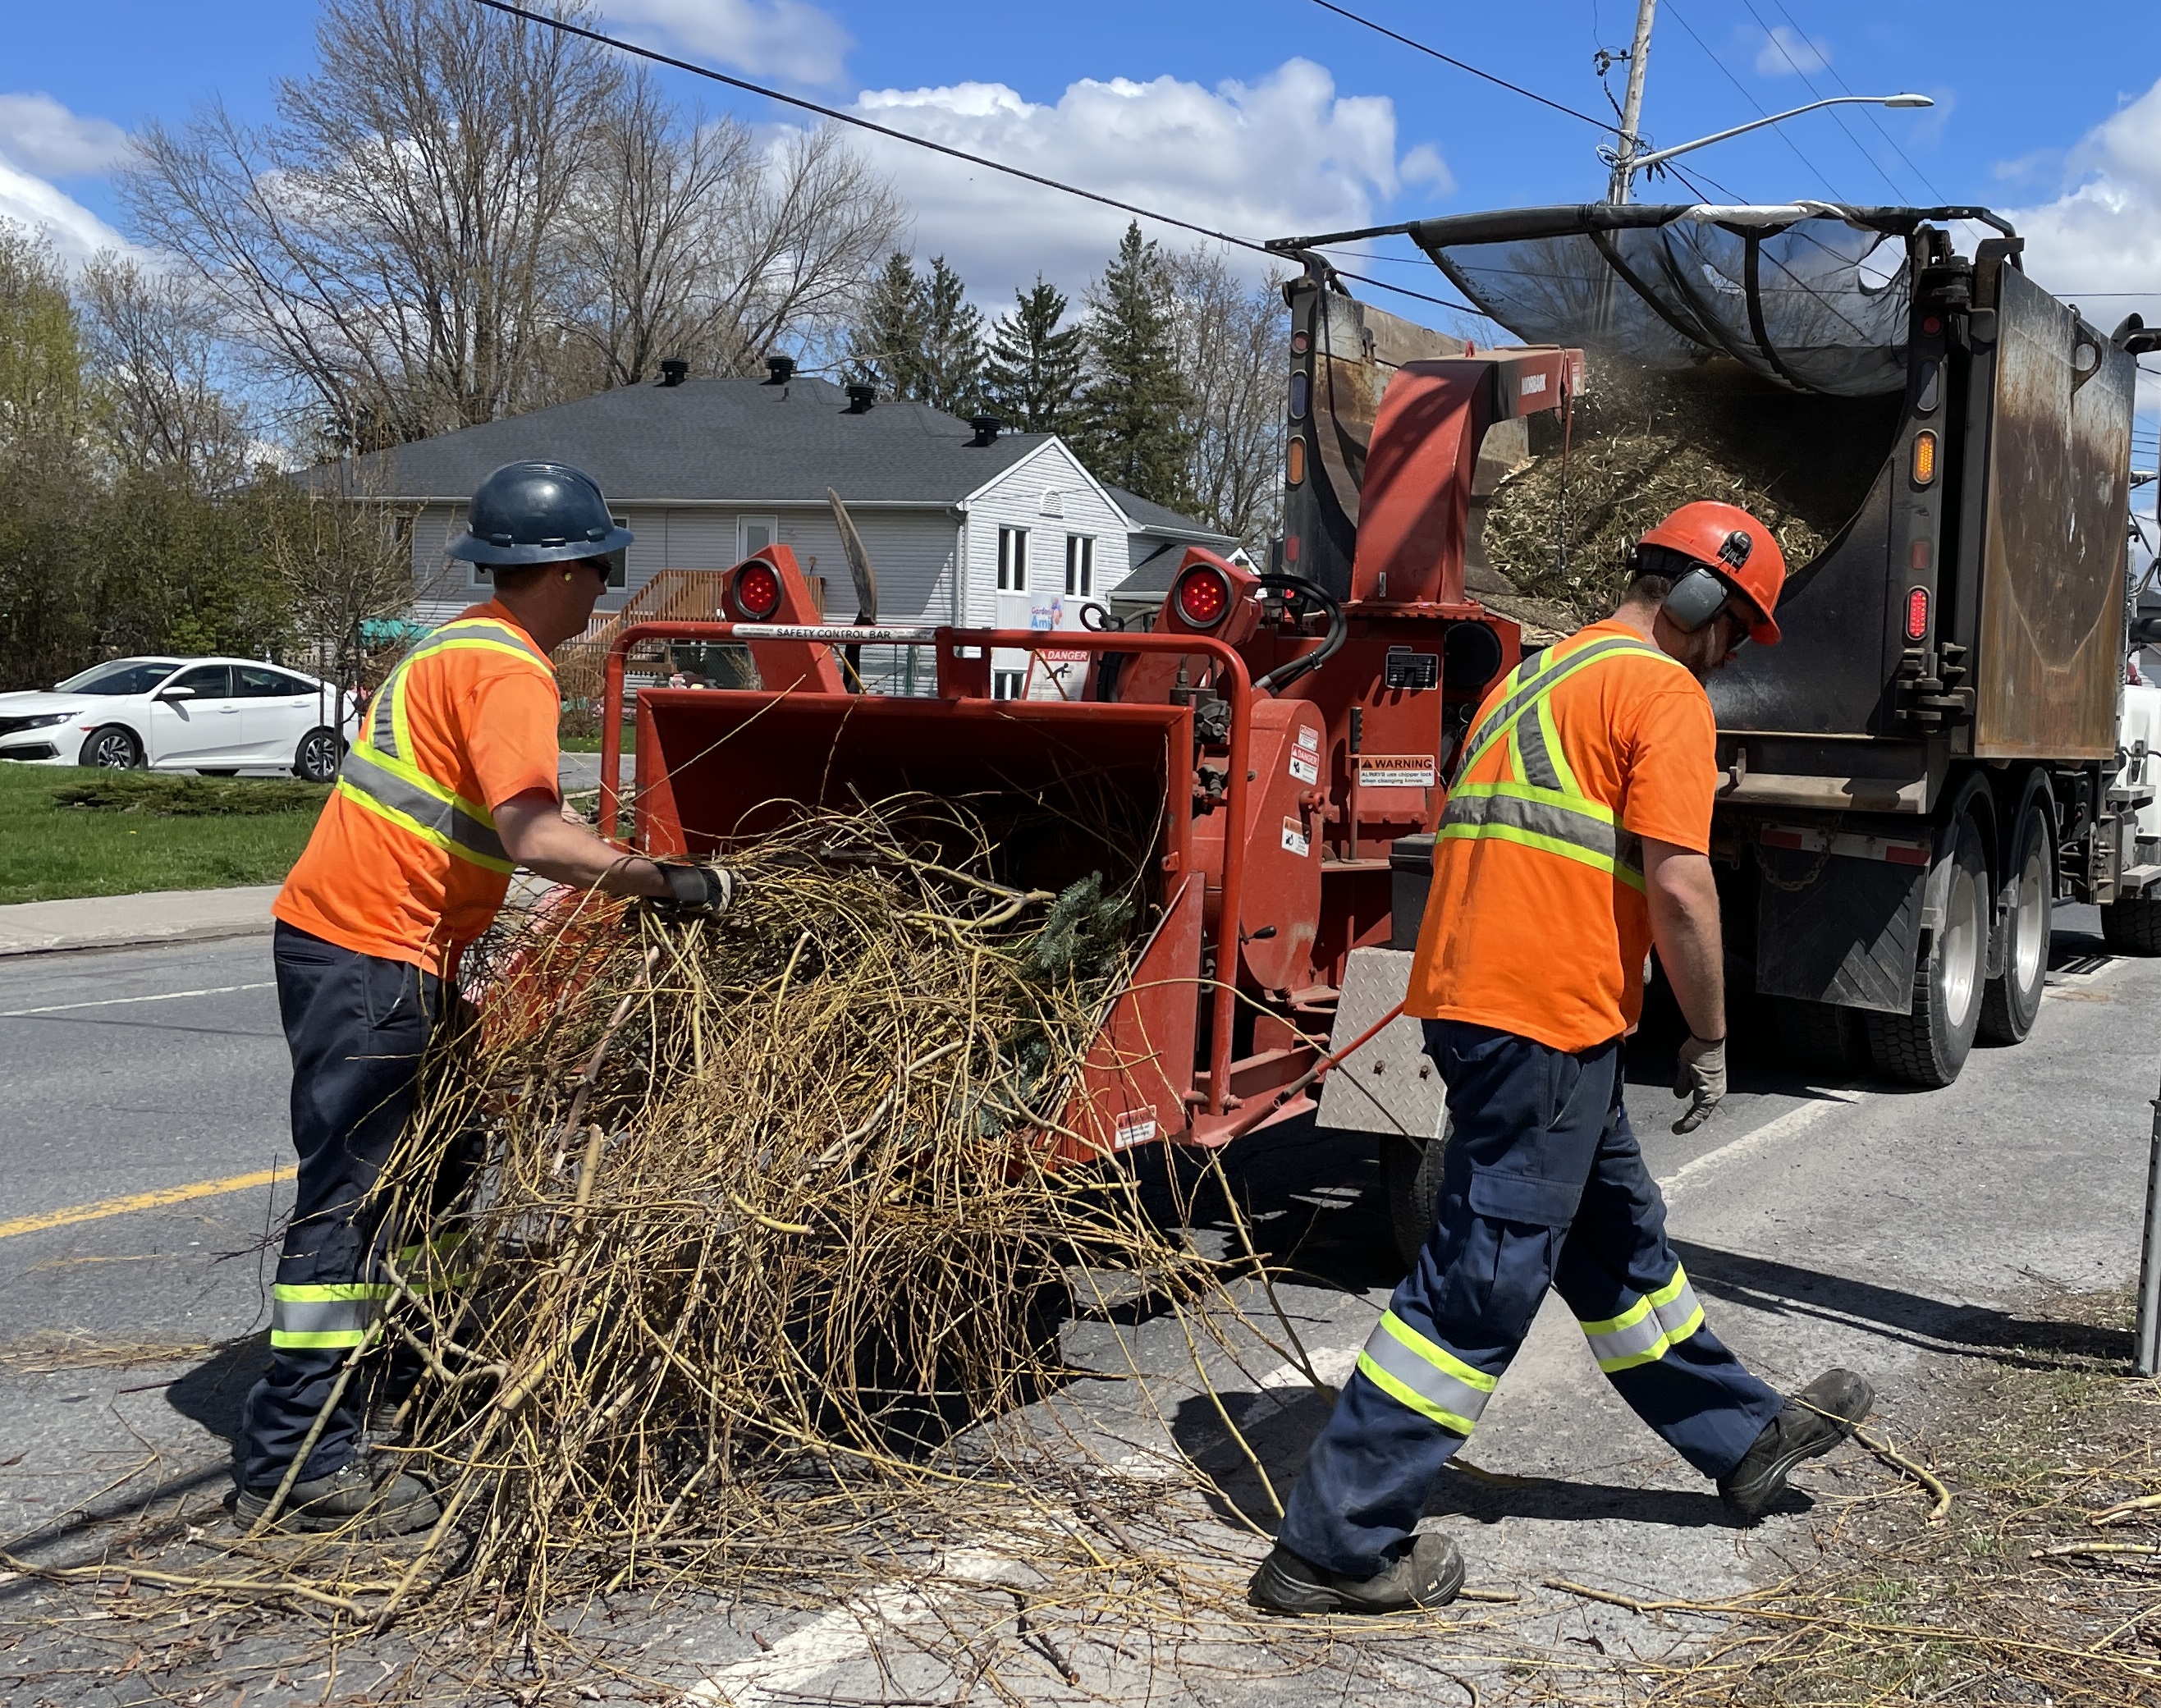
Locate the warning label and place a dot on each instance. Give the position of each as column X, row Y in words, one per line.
column 1294, row 840
column 1309, row 738
column 1396, row 771
column 1134, row 1126
column 1303, row 767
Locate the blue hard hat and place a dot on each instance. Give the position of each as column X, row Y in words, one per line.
column 538, row 513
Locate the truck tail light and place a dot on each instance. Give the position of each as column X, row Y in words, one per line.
column 1294, row 463
column 1203, row 597
column 1917, row 614
column 756, row 593
column 1924, row 457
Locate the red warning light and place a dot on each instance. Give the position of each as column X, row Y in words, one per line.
column 757, row 590
column 1203, row 597
column 1917, row 614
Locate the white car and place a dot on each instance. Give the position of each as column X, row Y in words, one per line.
column 217, row 715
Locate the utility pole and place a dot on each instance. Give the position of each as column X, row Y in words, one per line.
column 1632, row 106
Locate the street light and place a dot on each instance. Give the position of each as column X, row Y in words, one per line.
column 1625, row 166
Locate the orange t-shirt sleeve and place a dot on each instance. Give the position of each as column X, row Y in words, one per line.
column 511, row 735
column 1672, row 772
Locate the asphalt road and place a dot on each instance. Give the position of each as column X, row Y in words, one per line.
column 1901, row 1233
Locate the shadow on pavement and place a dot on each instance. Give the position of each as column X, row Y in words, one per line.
column 212, row 1393
column 1781, row 1289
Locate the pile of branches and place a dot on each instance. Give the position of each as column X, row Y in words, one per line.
column 765, row 1232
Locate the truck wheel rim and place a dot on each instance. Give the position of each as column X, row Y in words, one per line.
column 1962, row 938
column 2031, row 948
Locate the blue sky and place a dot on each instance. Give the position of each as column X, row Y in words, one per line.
column 1271, row 116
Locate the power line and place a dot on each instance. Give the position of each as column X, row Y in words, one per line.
column 1869, row 113
column 1465, row 65
column 840, row 117
column 1786, row 53
column 1676, row 11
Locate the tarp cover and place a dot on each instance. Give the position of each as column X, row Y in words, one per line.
column 1807, row 295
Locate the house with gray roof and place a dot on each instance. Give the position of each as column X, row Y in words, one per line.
column 963, row 523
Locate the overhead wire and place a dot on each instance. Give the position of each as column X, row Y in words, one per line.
column 1869, row 112
column 1465, row 65
column 840, row 116
column 1725, row 71
column 1786, row 53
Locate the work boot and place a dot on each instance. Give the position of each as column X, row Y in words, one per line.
column 383, row 1425
column 1815, row 1420
column 393, row 1505
column 1427, row 1573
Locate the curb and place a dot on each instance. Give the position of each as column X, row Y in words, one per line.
column 142, row 920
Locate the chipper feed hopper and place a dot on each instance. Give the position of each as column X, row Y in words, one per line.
column 1251, row 751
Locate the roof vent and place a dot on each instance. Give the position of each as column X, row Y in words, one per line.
column 779, row 370
column 987, row 428
column 673, row 373
column 860, row 399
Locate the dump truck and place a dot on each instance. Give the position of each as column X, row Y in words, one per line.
column 1944, row 745
column 1933, row 757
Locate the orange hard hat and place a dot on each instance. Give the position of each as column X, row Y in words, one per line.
column 1737, row 549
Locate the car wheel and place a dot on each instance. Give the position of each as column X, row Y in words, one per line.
column 2012, row 1003
column 1410, row 1178
column 1929, row 1046
column 320, row 753
column 113, row 748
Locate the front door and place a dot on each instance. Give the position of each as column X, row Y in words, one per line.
column 276, row 710
column 202, row 728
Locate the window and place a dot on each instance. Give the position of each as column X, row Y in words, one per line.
column 753, row 533
column 261, row 682
column 1005, row 685
column 209, row 681
column 122, row 676
column 1012, row 560
column 1080, row 566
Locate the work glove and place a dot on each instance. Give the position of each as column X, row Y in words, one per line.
column 1699, row 1075
column 696, row 891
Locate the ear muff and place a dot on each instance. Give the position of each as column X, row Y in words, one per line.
column 1696, row 598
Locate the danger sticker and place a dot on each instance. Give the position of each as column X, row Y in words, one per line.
column 1534, row 383
column 1134, row 1126
column 1303, row 768
column 1396, row 770
column 1294, row 839
column 1309, row 738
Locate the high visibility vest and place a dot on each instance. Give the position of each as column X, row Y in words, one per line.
column 379, row 774
column 1541, row 805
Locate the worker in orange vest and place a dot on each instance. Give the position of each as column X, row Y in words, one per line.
column 1576, row 837
column 451, row 784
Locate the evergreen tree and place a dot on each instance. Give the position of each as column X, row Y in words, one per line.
column 1131, row 431
column 1033, row 373
column 885, row 349
column 950, row 369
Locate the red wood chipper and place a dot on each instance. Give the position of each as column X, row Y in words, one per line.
column 1269, row 739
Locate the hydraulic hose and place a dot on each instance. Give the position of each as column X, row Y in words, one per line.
column 1339, row 627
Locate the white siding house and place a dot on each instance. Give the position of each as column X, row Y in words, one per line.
column 963, row 523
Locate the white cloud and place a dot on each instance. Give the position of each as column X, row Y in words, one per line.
column 41, row 136
column 77, row 233
column 1280, row 156
column 784, row 39
column 1787, row 52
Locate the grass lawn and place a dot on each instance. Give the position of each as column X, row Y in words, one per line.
column 149, row 831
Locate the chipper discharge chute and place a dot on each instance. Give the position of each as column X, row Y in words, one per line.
column 1240, row 760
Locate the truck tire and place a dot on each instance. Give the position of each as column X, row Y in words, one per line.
column 2132, row 926
column 1929, row 1046
column 1410, row 1176
column 2012, row 1002
column 1820, row 1038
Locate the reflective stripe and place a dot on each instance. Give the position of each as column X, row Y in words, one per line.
column 1539, row 678
column 1649, row 1329
column 439, row 1252
column 407, row 797
column 1424, row 1375
column 1535, row 756
column 340, row 1314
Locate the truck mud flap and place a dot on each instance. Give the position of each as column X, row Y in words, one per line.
column 1839, row 916
column 1390, row 1086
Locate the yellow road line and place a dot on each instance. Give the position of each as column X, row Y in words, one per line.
column 141, row 1200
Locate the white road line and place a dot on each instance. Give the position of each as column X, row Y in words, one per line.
column 1773, row 1132
column 115, row 1001
column 843, row 1636
column 1333, row 1365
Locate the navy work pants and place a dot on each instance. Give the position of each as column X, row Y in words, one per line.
column 1544, row 1185
column 358, row 1027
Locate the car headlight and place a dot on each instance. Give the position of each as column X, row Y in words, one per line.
column 44, row 721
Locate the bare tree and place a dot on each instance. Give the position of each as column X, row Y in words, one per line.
column 392, row 244
column 1233, row 343
column 152, row 338
column 344, row 561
